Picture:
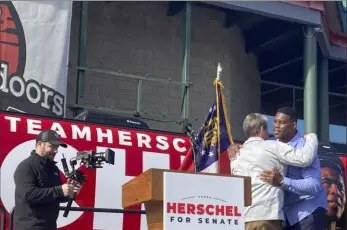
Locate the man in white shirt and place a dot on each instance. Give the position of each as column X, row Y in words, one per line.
column 258, row 154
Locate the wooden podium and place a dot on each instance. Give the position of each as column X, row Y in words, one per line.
column 147, row 188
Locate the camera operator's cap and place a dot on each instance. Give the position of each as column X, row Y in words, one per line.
column 51, row 137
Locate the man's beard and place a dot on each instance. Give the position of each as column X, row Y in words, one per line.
column 49, row 156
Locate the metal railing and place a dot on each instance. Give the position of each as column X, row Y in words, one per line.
column 139, row 110
column 10, row 224
column 295, row 89
column 78, row 209
column 2, row 218
column 82, row 66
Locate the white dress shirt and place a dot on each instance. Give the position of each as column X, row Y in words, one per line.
column 257, row 155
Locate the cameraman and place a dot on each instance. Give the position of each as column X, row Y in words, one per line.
column 39, row 189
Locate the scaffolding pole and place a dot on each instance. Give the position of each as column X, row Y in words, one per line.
column 310, row 79
column 324, row 100
column 81, row 59
column 186, row 60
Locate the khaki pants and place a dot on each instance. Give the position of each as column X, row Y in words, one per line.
column 264, row 225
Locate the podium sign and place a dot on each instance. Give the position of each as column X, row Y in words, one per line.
column 204, row 202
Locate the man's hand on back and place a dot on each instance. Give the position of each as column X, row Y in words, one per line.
column 233, row 151
column 273, row 177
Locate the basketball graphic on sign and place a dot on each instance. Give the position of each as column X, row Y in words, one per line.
column 12, row 55
column 25, row 84
column 12, row 40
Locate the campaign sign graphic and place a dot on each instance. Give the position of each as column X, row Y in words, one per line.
column 196, row 201
column 34, row 48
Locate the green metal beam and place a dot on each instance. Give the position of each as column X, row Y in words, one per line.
column 139, row 95
column 109, row 73
column 324, row 100
column 294, row 98
column 310, row 80
column 186, row 60
column 81, row 59
column 297, row 87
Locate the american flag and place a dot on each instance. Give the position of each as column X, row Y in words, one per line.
column 212, row 141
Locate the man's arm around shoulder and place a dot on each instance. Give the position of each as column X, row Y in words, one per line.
column 25, row 181
column 310, row 185
column 299, row 157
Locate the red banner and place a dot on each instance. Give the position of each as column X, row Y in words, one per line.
column 135, row 152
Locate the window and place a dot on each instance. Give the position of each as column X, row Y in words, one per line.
column 342, row 10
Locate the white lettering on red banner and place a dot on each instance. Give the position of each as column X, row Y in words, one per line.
column 135, row 152
column 123, row 138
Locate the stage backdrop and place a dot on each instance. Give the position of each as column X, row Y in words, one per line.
column 34, row 48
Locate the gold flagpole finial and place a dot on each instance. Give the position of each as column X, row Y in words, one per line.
column 219, row 70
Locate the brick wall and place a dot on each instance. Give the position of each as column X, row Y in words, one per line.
column 139, row 38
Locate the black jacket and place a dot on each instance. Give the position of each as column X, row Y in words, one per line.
column 38, row 194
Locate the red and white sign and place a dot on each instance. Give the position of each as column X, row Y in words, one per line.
column 203, row 202
column 135, row 152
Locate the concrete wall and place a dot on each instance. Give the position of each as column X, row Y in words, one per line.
column 139, row 38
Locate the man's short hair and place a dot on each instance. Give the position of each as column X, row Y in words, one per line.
column 290, row 112
column 253, row 124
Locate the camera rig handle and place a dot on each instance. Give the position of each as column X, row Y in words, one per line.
column 90, row 159
column 65, row 167
column 75, row 175
column 68, row 206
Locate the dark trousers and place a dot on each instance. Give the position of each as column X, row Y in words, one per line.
column 315, row 221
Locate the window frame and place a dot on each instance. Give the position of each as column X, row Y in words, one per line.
column 341, row 6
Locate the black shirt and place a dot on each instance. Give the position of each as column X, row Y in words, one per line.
column 38, row 193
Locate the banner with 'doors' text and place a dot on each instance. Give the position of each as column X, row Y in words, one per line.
column 34, row 50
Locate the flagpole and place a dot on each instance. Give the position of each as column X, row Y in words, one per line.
column 219, row 70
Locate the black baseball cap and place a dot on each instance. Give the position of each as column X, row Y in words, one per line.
column 51, row 137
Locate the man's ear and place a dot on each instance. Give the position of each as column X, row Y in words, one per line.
column 38, row 143
column 262, row 129
column 295, row 125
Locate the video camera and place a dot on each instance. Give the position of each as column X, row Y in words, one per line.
column 92, row 159
column 89, row 159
